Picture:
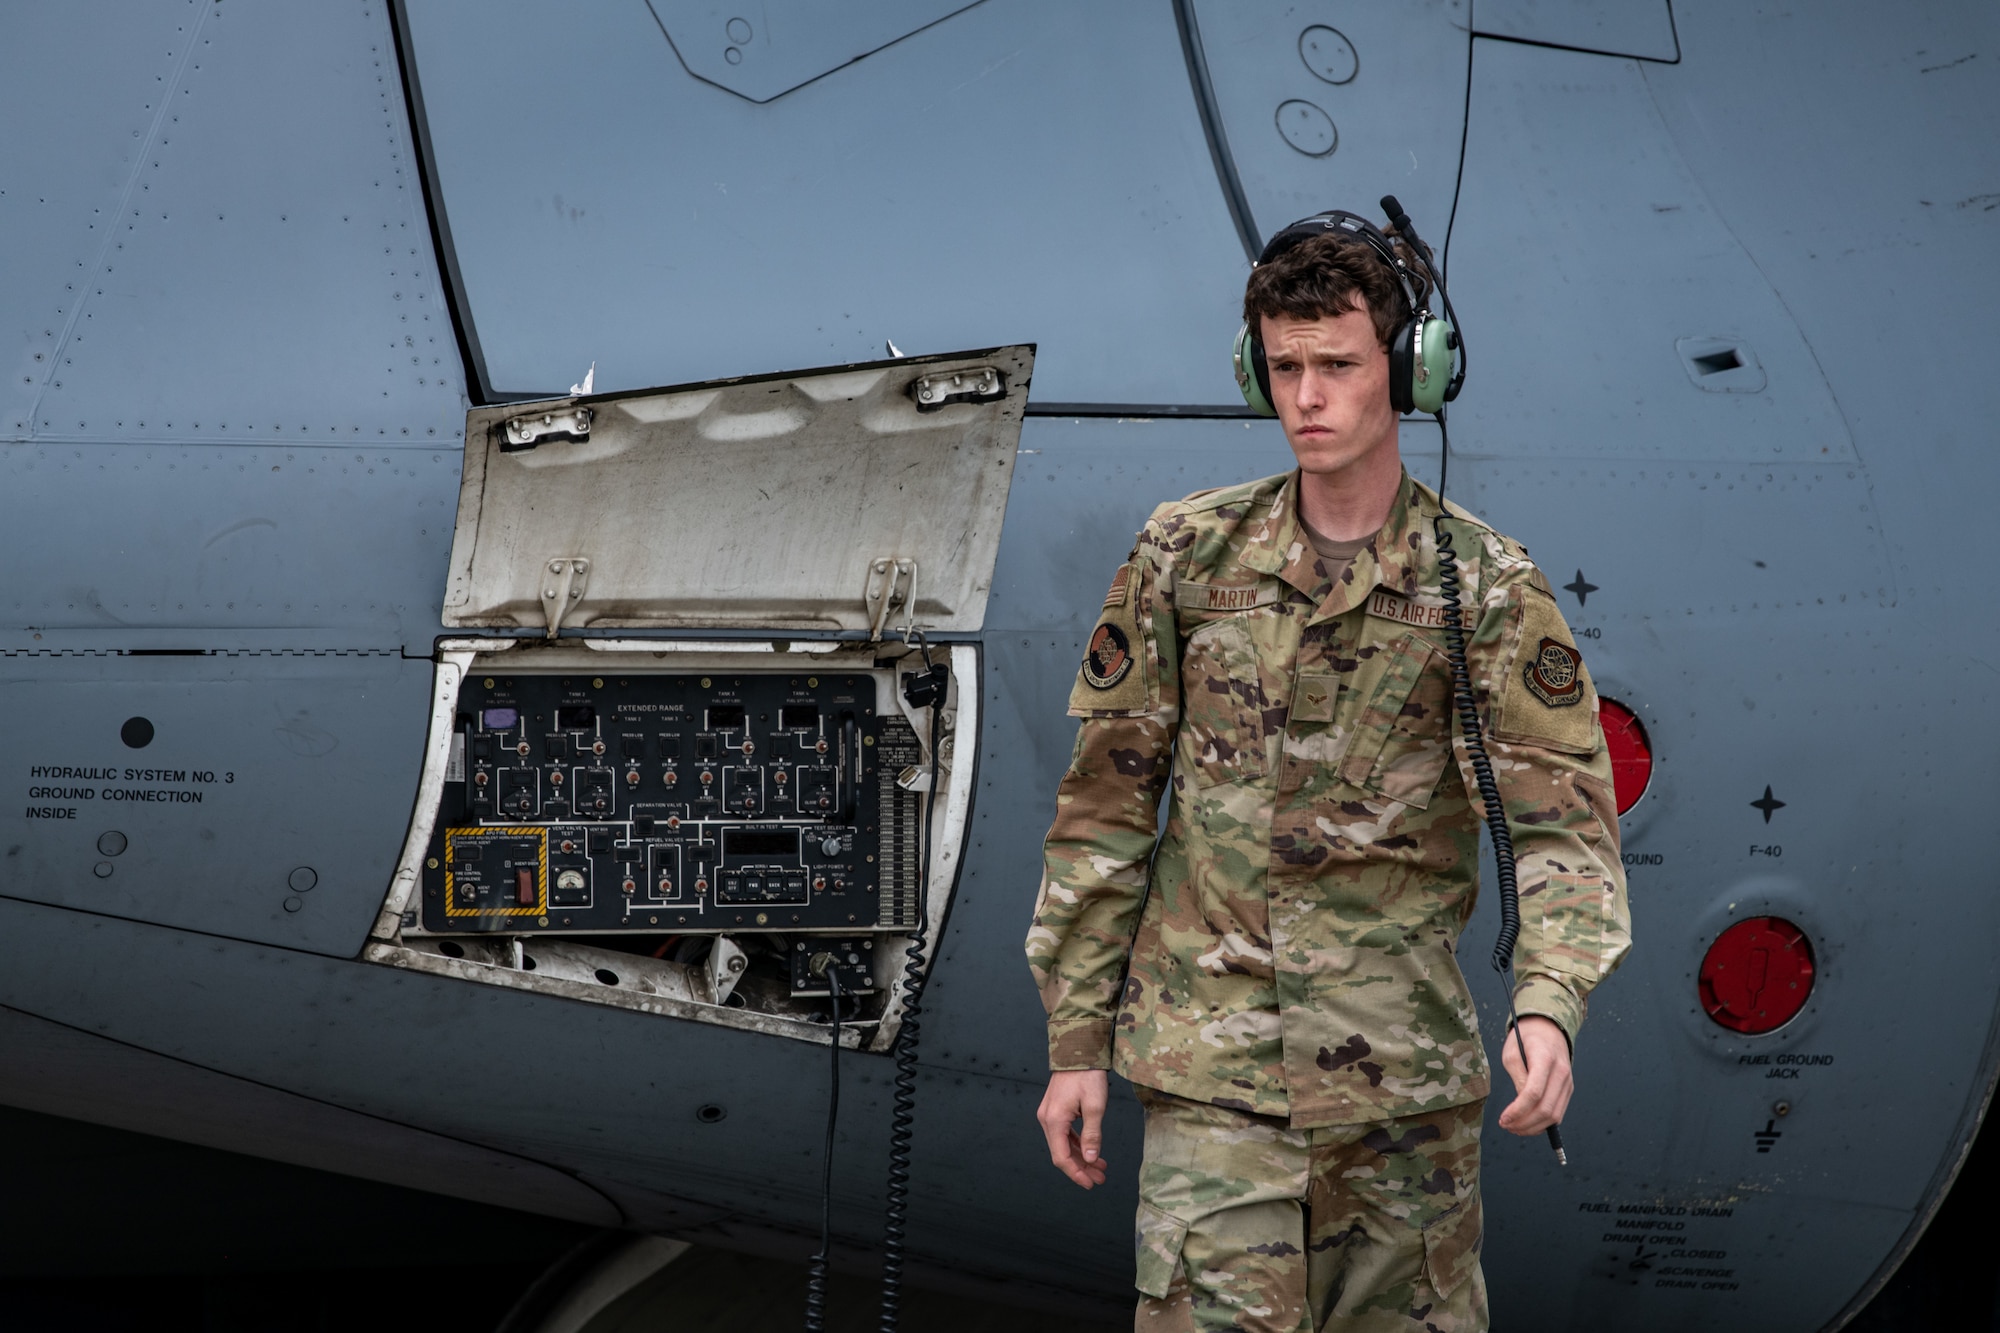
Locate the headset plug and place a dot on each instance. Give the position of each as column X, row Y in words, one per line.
column 926, row 687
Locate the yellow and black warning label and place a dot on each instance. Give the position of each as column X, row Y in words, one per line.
column 496, row 872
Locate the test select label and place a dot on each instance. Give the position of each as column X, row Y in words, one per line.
column 65, row 788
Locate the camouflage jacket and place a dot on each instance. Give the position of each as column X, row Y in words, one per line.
column 1287, row 946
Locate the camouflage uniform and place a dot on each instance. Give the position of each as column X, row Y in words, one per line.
column 1286, row 948
column 1247, row 1224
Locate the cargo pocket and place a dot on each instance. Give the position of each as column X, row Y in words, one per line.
column 1452, row 1242
column 1222, row 704
column 1158, row 1238
column 1402, row 739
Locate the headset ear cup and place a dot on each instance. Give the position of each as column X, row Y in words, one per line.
column 1433, row 365
column 1253, row 375
column 1403, row 368
column 1260, row 368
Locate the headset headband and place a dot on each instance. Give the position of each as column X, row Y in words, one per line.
column 1351, row 224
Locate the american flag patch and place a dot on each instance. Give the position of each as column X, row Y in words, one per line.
column 1119, row 583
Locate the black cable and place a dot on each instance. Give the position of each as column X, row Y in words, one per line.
column 1461, row 677
column 1467, row 709
column 816, row 1271
column 903, row 1108
column 1465, row 131
column 1407, row 230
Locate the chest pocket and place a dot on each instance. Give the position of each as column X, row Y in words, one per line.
column 1222, row 704
column 1402, row 739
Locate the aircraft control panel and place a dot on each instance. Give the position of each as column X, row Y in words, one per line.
column 674, row 803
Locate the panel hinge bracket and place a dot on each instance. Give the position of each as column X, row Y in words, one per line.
column 892, row 585
column 981, row 384
column 726, row 964
column 525, row 432
column 563, row 580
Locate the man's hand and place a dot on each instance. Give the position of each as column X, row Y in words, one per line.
column 1541, row 1092
column 1081, row 1093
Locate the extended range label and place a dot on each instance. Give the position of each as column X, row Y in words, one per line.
column 58, row 791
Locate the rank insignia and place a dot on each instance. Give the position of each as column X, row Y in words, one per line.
column 1312, row 700
column 1555, row 674
column 1108, row 658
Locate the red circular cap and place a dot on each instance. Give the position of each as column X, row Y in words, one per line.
column 1757, row 975
column 1631, row 752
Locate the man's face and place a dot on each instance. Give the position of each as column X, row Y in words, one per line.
column 1330, row 384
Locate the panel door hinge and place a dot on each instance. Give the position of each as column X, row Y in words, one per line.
column 892, row 585
column 982, row 384
column 563, row 580
column 525, row 432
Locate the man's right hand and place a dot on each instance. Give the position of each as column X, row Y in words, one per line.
column 1076, row 1094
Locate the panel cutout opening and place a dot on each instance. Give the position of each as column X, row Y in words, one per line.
column 1724, row 364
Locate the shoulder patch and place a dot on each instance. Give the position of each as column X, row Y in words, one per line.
column 1554, row 673
column 1108, row 656
column 1116, row 674
column 1546, row 697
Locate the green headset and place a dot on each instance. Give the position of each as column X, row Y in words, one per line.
column 1426, row 360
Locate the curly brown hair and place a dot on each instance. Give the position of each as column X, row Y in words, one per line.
column 1328, row 275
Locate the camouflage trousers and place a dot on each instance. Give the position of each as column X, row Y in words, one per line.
column 1247, row 1224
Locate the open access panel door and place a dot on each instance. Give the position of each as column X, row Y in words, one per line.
column 680, row 769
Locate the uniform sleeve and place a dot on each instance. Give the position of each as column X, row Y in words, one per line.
column 1554, row 775
column 1099, row 850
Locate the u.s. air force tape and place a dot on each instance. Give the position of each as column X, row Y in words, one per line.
column 1407, row 611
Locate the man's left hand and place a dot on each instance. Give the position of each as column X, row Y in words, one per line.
column 1541, row 1091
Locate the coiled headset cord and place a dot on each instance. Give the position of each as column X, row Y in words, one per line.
column 816, row 1272
column 927, row 689
column 1482, row 771
column 923, row 689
